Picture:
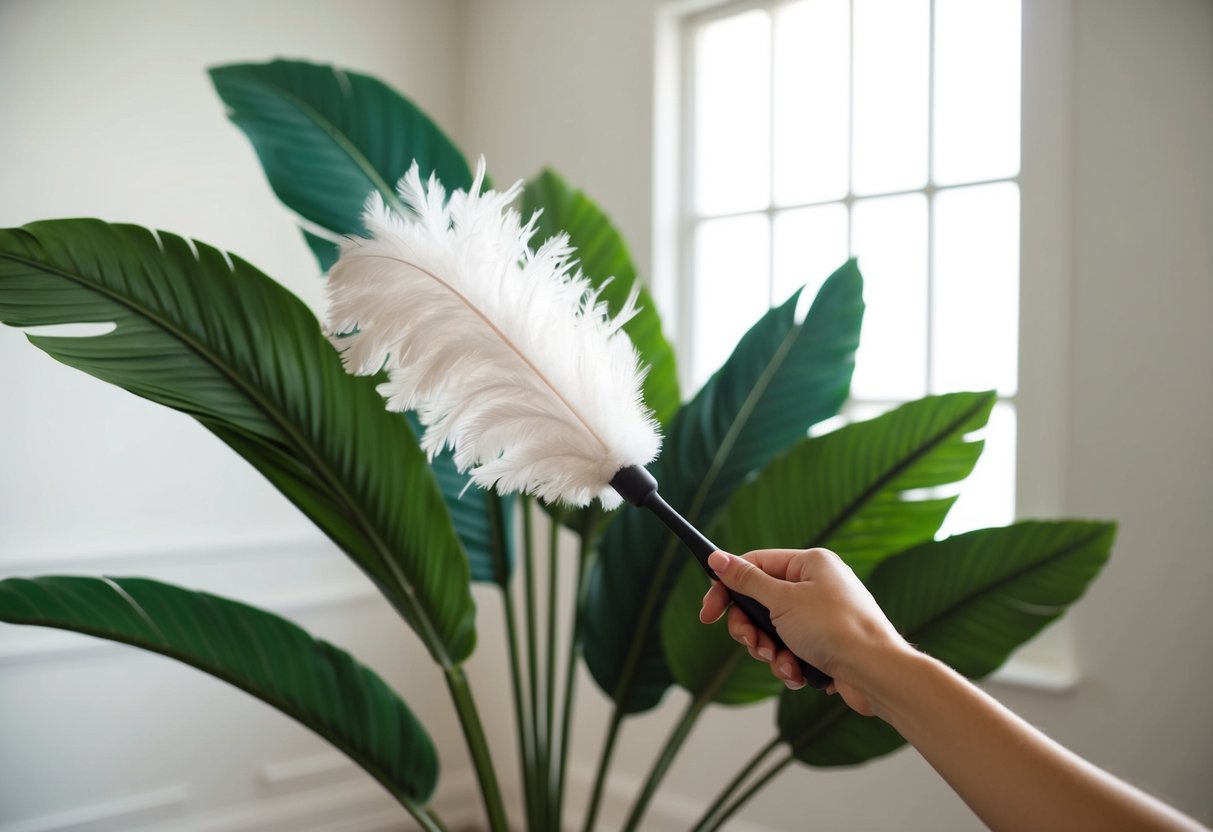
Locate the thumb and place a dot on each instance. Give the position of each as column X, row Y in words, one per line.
column 745, row 577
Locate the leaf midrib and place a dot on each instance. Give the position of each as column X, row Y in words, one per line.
column 408, row 597
column 624, row 688
column 1010, row 577
column 339, row 138
column 897, row 470
column 803, row 738
column 369, row 765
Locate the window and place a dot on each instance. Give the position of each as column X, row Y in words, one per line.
column 886, row 129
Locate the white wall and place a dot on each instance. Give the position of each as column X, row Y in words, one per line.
column 570, row 84
column 108, row 112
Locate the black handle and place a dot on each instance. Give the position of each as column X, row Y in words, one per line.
column 638, row 487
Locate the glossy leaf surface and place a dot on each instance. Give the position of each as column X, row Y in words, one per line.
column 327, row 137
column 309, row 680
column 846, row 490
column 969, row 601
column 783, row 377
column 205, row 333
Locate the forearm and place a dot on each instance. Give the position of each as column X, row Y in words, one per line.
column 1010, row 774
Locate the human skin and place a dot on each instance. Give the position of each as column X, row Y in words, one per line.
column 1010, row 774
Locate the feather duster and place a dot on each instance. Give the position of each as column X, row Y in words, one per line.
column 506, row 354
column 492, row 343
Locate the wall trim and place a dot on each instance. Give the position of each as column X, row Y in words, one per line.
column 131, row 808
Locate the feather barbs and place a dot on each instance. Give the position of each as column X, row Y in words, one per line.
column 506, row 353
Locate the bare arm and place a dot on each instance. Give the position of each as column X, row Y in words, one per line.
column 1009, row 773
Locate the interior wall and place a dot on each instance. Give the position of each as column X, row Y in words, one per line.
column 571, row 85
column 108, row 112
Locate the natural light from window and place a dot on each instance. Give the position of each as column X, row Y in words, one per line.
column 886, row 129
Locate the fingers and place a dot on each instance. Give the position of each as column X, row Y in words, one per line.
column 745, row 577
column 742, row 629
column 714, row 603
column 788, row 669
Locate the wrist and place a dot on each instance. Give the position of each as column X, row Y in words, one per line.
column 885, row 673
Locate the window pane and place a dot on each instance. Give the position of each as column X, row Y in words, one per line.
column 810, row 243
column 732, row 287
column 976, row 298
column 889, row 235
column 733, row 113
column 987, row 497
column 891, row 65
column 977, row 51
column 811, row 69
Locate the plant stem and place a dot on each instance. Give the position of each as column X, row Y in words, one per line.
column 432, row 822
column 662, row 763
column 760, row 783
column 526, row 754
column 501, row 555
column 584, row 554
column 604, row 763
column 679, row 735
column 538, row 764
column 549, row 689
column 478, row 747
column 736, row 782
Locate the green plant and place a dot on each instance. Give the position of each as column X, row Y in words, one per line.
column 207, row 334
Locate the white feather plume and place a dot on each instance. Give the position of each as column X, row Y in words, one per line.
column 506, row 354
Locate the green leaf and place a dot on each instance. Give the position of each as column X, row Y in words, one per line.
column 327, row 137
column 706, row 661
column 843, row 491
column 782, row 378
column 483, row 519
column 205, row 333
column 604, row 256
column 325, row 251
column 969, row 601
column 309, row 680
column 846, row 490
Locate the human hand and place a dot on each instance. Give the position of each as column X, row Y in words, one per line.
column 823, row 613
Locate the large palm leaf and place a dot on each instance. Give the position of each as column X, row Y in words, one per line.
column 207, row 334
column 783, row 377
column 328, row 137
column 844, row 491
column 969, row 601
column 310, row 680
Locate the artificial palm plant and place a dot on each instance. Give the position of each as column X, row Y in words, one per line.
column 205, row 333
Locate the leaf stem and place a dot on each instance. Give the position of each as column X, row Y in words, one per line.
column 431, row 821
column 584, row 555
column 762, row 781
column 528, row 554
column 604, row 762
column 549, row 689
column 662, row 764
column 526, row 754
column 736, row 782
column 478, row 747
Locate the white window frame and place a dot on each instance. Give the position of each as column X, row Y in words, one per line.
column 1041, row 398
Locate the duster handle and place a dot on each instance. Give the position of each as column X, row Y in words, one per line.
column 638, row 487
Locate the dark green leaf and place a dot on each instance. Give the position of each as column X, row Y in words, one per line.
column 327, row 137
column 604, row 256
column 846, row 490
column 483, row 519
column 969, row 601
column 706, row 661
column 307, row 679
column 782, row 378
column 216, row 339
column 325, row 251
